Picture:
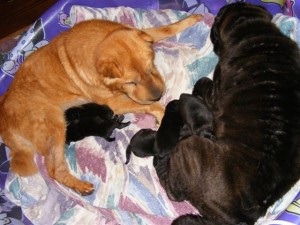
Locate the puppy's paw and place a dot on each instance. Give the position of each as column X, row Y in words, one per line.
column 118, row 119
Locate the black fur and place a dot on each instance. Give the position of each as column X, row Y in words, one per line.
column 255, row 101
column 141, row 144
column 183, row 118
column 92, row 119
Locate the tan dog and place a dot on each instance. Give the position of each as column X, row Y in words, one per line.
column 95, row 61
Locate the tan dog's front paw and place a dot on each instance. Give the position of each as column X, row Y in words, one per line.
column 158, row 111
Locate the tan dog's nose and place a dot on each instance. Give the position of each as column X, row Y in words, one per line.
column 157, row 93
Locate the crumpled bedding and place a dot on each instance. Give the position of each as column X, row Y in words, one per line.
column 129, row 194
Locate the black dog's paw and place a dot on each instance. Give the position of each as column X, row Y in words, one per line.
column 141, row 144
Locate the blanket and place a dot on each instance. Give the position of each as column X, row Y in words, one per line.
column 129, row 194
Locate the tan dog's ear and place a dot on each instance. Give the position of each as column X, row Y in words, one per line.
column 108, row 71
column 108, row 68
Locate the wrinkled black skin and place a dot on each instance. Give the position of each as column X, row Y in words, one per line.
column 255, row 101
column 92, row 119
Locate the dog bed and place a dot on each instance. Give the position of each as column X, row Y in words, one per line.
column 124, row 194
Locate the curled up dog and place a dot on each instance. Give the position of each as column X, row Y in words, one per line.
column 80, row 66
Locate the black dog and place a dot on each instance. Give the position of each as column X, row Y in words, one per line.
column 92, row 120
column 255, row 100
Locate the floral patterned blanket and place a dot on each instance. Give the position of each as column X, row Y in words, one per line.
column 128, row 194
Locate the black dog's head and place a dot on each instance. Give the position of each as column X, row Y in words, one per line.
column 231, row 16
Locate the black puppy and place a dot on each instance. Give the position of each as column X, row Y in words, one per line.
column 183, row 118
column 92, row 119
column 141, row 144
column 255, row 100
column 147, row 142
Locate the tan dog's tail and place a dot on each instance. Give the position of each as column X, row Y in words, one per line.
column 160, row 33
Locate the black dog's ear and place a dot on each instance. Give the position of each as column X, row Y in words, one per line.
column 169, row 131
column 215, row 33
column 215, row 37
column 141, row 144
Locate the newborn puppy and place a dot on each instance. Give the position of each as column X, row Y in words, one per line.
column 92, row 119
column 255, row 101
column 141, row 144
column 183, row 118
column 147, row 142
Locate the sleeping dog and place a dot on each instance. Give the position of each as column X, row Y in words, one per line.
column 255, row 101
column 92, row 119
column 83, row 68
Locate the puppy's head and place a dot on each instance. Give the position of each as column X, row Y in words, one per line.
column 230, row 17
column 141, row 144
column 124, row 61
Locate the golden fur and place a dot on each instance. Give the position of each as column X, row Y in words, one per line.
column 95, row 61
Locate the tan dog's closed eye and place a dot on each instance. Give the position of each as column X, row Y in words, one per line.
column 95, row 61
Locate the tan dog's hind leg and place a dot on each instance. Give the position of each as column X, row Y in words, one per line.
column 160, row 33
column 22, row 155
column 55, row 160
column 58, row 169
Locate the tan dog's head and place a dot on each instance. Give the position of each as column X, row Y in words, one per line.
column 124, row 61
